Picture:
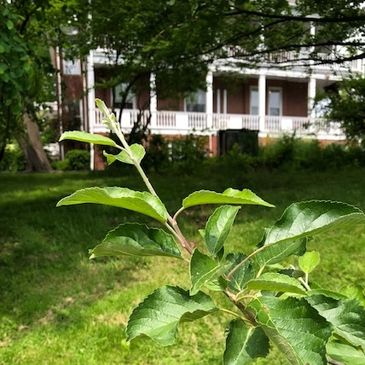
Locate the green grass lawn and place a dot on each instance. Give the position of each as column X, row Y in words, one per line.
column 57, row 307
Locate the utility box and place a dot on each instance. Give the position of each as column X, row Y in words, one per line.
column 246, row 140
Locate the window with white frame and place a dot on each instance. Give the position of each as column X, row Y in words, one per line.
column 254, row 101
column 119, row 90
column 221, row 101
column 275, row 102
column 196, row 102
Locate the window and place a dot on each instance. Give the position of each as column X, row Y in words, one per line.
column 130, row 103
column 71, row 67
column 196, row 102
column 221, row 108
column 275, row 101
column 254, row 101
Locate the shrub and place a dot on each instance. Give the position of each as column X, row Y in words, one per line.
column 157, row 156
column 277, row 154
column 78, row 159
column 187, row 152
column 13, row 159
column 335, row 156
column 233, row 160
column 306, row 154
column 357, row 155
column 75, row 160
column 294, row 153
column 62, row 165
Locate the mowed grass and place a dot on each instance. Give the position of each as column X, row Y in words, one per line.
column 58, row 307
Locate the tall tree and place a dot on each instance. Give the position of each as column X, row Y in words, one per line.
column 28, row 30
column 179, row 31
column 346, row 104
column 178, row 39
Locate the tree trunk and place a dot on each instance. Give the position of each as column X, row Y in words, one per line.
column 32, row 146
column 2, row 151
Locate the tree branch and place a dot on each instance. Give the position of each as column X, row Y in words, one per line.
column 301, row 18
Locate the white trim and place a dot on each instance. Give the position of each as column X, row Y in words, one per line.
column 253, row 88
column 275, row 88
column 312, row 84
column 209, row 99
column 262, row 100
column 153, row 99
column 91, row 102
column 218, row 101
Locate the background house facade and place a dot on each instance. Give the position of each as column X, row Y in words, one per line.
column 268, row 99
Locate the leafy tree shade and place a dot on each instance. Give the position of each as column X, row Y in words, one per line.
column 172, row 37
column 346, row 104
column 177, row 40
column 13, row 76
column 27, row 31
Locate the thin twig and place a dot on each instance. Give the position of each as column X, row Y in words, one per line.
column 245, row 260
column 230, row 312
column 177, row 213
column 304, row 283
column 173, row 226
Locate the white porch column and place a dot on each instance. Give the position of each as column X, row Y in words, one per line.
column 311, row 96
column 262, row 102
column 153, row 100
column 90, row 85
column 209, row 99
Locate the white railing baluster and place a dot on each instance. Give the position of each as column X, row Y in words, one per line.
column 177, row 122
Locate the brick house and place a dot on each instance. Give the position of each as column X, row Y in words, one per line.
column 270, row 100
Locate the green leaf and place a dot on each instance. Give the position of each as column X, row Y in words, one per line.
column 242, row 275
column 229, row 196
column 355, row 292
column 138, row 152
column 102, row 107
column 217, row 284
column 9, row 24
column 244, row 344
column 88, row 138
column 159, row 314
column 110, row 158
column 141, row 202
column 345, row 353
column 133, row 239
column 327, row 293
column 301, row 220
column 280, row 251
column 309, row 261
column 218, row 227
column 294, row 327
column 312, row 217
column 202, row 270
column 291, row 272
column 346, row 316
column 276, row 282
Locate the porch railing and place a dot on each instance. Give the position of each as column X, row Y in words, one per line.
column 177, row 122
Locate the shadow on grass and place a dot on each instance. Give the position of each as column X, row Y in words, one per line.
column 45, row 274
column 44, row 265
